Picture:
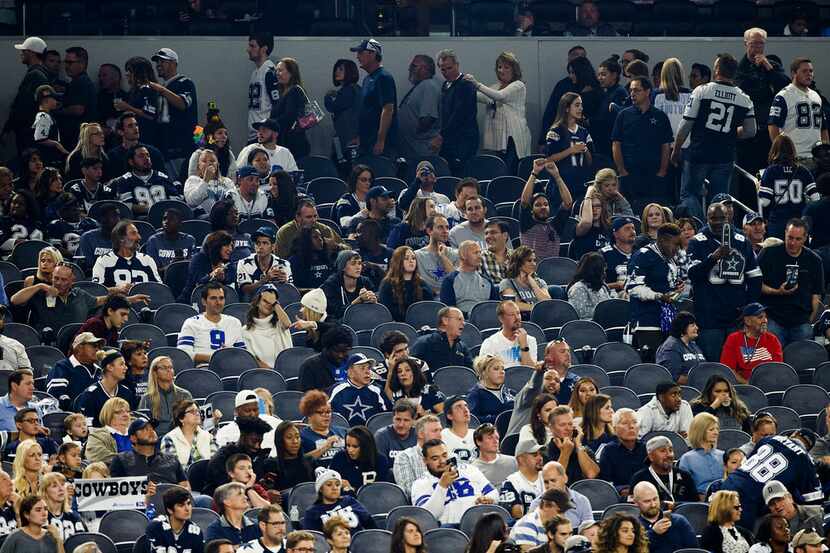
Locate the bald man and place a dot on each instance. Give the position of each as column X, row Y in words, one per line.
column 667, row 532
column 555, row 478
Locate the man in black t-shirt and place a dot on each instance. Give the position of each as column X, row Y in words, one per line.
column 793, row 282
column 79, row 101
column 539, row 231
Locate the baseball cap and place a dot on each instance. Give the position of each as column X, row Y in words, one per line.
column 86, row 338
column 806, row 537
column 656, row 443
column 33, row 44
column 268, row 124
column 753, row 309
column 807, row 436
column 424, row 166
column 774, row 490
column 751, row 217
column 452, row 400
column 244, row 397
column 138, row 424
column 316, row 301
column 620, row 222
column 577, row 544
column 378, row 192
column 267, row 232
column 276, row 169
column 246, row 171
column 722, row 198
column 165, row 54
column 369, row 44
column 357, row 359
column 45, row 91
column 528, row 446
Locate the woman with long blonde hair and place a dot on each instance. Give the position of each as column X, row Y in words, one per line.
column 653, row 216
column 57, row 495
column 90, row 145
column 207, row 185
column 28, row 467
column 162, row 393
column 402, row 286
column 607, row 183
column 47, row 259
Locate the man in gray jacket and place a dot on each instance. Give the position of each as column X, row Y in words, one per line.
column 800, row 517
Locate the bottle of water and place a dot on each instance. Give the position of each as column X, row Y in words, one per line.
column 294, row 514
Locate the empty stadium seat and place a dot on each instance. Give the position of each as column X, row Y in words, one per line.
column 372, row 541
column 804, row 354
column 700, row 374
column 199, row 382
column 556, row 270
column 600, row 494
column 423, row 314
column 423, row 517
column 144, row 333
column 592, row 371
column 269, row 379
column 643, row 378
column 384, row 328
column 366, row 316
column 472, row 515
column 752, row 396
column 454, row 380
column 381, row 497
column 484, row 167
column 160, row 294
column 616, row 357
column 289, row 360
column 732, row 437
column 696, row 513
column 483, row 315
column 287, row 405
column 621, row 397
column 552, row 315
column 445, row 540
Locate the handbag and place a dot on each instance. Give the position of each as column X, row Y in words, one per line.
column 312, row 113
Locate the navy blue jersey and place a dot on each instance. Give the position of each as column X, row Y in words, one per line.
column 358, row 475
column 717, row 109
column 94, row 243
column 68, row 524
column 164, row 250
column 774, row 458
column 347, row 507
column 650, row 275
column 179, row 124
column 357, row 404
column 93, row 398
column 784, row 192
column 85, row 198
column 132, row 189
column 722, row 288
column 311, row 440
column 162, row 539
column 66, row 235
column 574, row 168
column 147, row 100
column 487, row 404
column 616, row 264
column 12, row 230
column 378, row 90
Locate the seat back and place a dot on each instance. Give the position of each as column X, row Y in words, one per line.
column 752, row 396
column 269, row 379
column 485, row 167
column 557, row 270
column 181, row 360
column 732, row 437
column 517, row 376
column 287, row 405
column 643, row 378
column 372, row 541
column 366, row 316
column 773, row 377
column 25, row 254
column 232, row 362
column 445, row 540
column 172, row 316
column 583, row 335
column 804, row 354
column 553, row 315
column 224, row 401
column 700, row 374
column 381, row 497
column 123, row 526
column 806, row 399
column 144, row 333
column 423, row 314
column 696, row 513
column 382, row 329
column 379, row 420
column 483, row 315
column 592, row 371
column 616, row 356
column 289, row 360
column 600, row 494
column 160, row 294
column 23, row 333
column 472, row 515
column 326, row 189
column 199, row 382
column 622, row 397
column 786, row 417
column 423, row 517
column 104, row 543
column 454, row 380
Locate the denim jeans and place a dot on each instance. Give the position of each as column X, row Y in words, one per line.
column 789, row 334
column 691, row 184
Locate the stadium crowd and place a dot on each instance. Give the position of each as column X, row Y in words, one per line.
column 593, row 347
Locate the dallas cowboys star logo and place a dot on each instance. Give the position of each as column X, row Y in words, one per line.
column 731, row 264
column 653, row 120
column 357, row 409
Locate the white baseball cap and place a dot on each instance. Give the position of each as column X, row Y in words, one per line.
column 33, row 44
column 165, row 54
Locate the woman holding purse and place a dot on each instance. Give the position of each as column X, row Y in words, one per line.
column 290, row 107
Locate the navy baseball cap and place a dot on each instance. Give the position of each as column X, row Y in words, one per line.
column 358, row 359
column 620, row 222
column 267, row 232
column 140, row 423
column 722, row 198
column 268, row 124
column 246, row 171
column 752, row 217
column 369, row 44
column 378, row 192
column 753, row 309
column 276, row 169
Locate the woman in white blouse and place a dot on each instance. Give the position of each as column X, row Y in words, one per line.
column 207, row 186
column 188, row 441
column 505, row 125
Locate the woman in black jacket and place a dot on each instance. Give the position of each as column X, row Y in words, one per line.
column 723, row 535
column 290, row 107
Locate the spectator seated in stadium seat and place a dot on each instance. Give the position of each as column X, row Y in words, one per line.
column 619, row 459
column 178, row 530
column 444, row 347
column 251, row 432
column 212, row 262
column 680, row 353
column 465, row 287
column 112, row 438
column 766, row 345
column 188, row 441
column 401, row 434
column 272, row 527
column 133, row 188
column 246, row 404
column 210, row 331
column 71, row 376
column 268, row 333
column 170, row 244
column 72, row 305
column 162, row 394
column 28, row 427
column 231, row 504
column 677, row 536
column 294, row 466
column 114, row 315
column 356, row 398
column 306, row 217
column 665, row 411
column 320, row 439
column 539, row 231
column 402, row 286
column 361, row 465
column 705, row 461
column 21, row 392
column 124, row 266
column 521, row 283
column 111, row 384
column 718, row 397
column 334, row 495
column 490, row 397
column 321, row 371
column 436, row 259
column 431, row 490
column 458, row 436
column 495, row 466
column 407, row 378
column 672, row 483
column 347, row 286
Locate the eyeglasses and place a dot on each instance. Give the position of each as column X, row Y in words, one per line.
column 30, row 421
column 323, row 412
column 193, row 410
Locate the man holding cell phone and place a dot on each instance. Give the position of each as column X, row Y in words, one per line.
column 449, row 490
column 667, row 532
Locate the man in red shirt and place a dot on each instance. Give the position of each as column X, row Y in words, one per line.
column 747, row 348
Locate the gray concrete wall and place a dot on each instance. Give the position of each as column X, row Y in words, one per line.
column 220, row 67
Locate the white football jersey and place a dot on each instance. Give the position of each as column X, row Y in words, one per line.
column 199, row 335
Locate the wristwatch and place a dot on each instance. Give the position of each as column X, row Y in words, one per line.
column 524, row 349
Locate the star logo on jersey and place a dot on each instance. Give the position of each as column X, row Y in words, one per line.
column 653, row 120
column 731, row 264
column 357, row 409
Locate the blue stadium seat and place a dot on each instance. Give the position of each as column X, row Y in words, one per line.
column 804, row 354
column 552, row 315
column 269, row 379
column 23, row 333
column 224, row 401
column 199, row 382
column 237, row 310
column 752, row 396
column 123, row 526
column 287, row 405
column 773, row 377
column 678, row 442
column 445, row 540
column 454, row 380
column 160, row 294
column 592, row 371
column 156, row 214
column 198, row 229
column 289, row 360
column 643, row 378
column 600, row 494
column 732, row 437
column 25, row 254
column 381, row 497
column 621, row 397
column 317, row 166
column 472, row 515
column 423, row 517
column 379, row 420
column 144, row 332
column 423, row 314
column 616, row 357
column 326, row 189
column 624, row 508
column 181, row 360
column 372, row 541
column 483, row 315
column 484, row 167
column 786, row 417
column 556, row 270
column 517, row 376
column 700, row 374
column 366, row 316
column 104, row 543
column 230, row 363
column 383, row 328
column 696, row 513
